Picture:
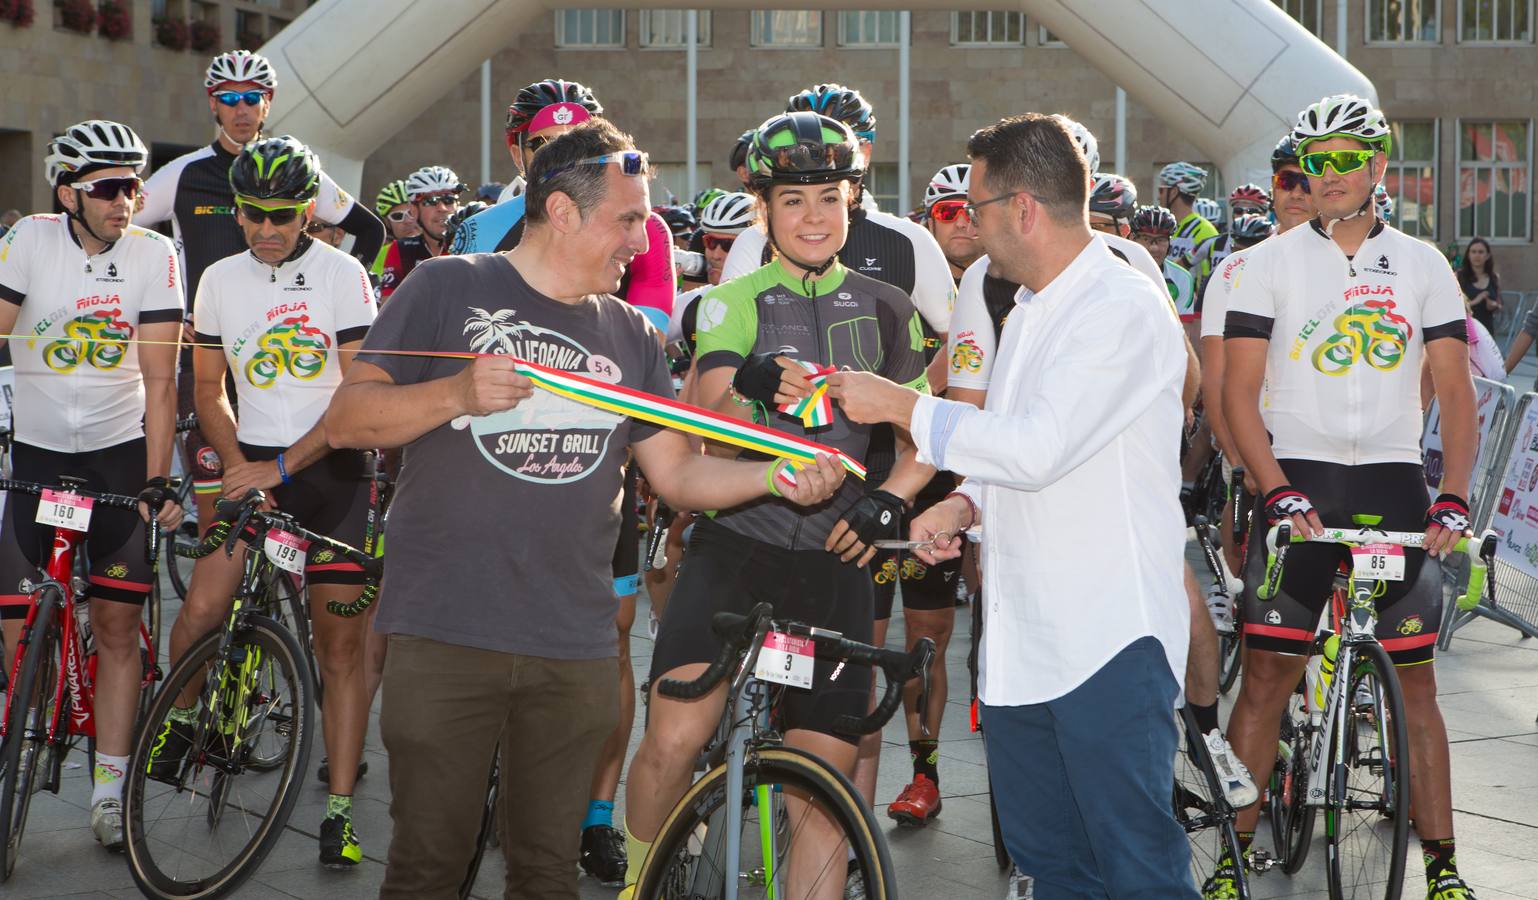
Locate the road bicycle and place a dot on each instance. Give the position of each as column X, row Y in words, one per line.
column 1202, row 809
column 177, row 565
column 198, row 823
column 1230, row 642
column 1349, row 754
column 50, row 708
column 731, row 834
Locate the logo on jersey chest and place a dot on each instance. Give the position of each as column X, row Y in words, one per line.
column 298, row 284
column 293, row 347
column 110, row 276
column 1380, row 266
column 98, row 338
column 872, row 264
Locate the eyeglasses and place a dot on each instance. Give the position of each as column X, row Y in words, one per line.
column 317, row 227
column 277, row 214
column 438, row 200
column 398, row 215
column 631, row 162
column 108, row 189
column 531, row 145
column 1342, row 161
column 1289, row 181
column 949, row 210
column 1155, row 239
column 971, row 208
column 719, row 241
column 235, row 98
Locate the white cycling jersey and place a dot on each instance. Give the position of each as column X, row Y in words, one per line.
column 78, row 382
column 974, row 334
column 1215, row 293
column 1347, row 338
column 680, row 304
column 881, row 246
column 1181, row 283
column 280, row 328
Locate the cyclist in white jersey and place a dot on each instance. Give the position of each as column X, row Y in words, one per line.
column 95, row 398
column 1337, row 319
column 284, row 318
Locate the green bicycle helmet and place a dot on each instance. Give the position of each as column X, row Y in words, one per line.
column 279, row 168
column 803, row 148
column 390, row 196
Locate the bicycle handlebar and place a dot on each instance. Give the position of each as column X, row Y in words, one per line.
column 1279, row 537
column 155, row 497
column 741, row 634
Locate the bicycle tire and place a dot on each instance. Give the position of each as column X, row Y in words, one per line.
column 284, row 609
column 1350, row 839
column 488, row 829
column 781, row 766
column 201, row 663
column 17, row 775
column 1000, row 852
column 1292, row 819
column 1199, row 806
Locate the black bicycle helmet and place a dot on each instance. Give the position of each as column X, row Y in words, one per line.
column 1250, row 229
column 739, row 155
column 1113, row 196
column 1154, row 220
column 1286, row 152
column 279, row 168
column 545, row 93
column 680, row 220
column 836, row 102
column 803, row 148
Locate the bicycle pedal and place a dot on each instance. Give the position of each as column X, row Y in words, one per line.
column 1260, row 861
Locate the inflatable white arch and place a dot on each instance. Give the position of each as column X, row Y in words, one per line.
column 1228, row 75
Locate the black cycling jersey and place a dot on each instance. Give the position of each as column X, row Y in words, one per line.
column 875, row 250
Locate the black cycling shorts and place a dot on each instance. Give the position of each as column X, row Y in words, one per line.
column 924, row 587
column 1409, row 611
column 724, row 571
column 331, row 497
column 201, row 459
column 115, row 539
column 627, row 551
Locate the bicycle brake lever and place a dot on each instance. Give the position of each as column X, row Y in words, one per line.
column 246, row 512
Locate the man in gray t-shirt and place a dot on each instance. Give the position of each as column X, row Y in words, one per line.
column 498, row 594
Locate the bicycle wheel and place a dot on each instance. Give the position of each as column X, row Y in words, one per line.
column 1292, row 820
column 271, row 747
column 205, row 825
column 1201, row 809
column 1367, row 819
column 1000, row 852
column 29, row 708
column 783, row 786
column 487, row 834
column 1231, row 649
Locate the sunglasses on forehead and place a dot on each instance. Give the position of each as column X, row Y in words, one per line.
column 277, row 214
column 948, row 210
column 1290, row 181
column 109, row 188
column 631, row 162
column 235, row 98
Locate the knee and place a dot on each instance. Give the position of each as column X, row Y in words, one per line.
column 339, row 652
column 115, row 627
column 937, row 629
column 671, row 743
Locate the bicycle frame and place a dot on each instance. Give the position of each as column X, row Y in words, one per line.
column 73, row 679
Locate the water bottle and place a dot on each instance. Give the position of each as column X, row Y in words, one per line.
column 1326, row 669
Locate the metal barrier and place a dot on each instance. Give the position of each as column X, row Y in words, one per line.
column 1508, row 502
column 1493, row 404
column 1515, row 306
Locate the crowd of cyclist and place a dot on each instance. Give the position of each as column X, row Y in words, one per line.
column 294, row 384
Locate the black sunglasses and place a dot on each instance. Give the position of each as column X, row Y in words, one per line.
column 440, row 200
column 109, row 188
column 256, row 215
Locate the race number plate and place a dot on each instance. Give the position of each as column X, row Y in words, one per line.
column 61, row 509
column 286, row 550
column 785, row 659
column 1378, row 562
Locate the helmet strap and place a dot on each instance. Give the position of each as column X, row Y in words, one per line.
column 1329, row 227
column 809, row 270
column 78, row 215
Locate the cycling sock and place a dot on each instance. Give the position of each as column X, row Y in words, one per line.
column 599, row 812
column 1206, row 716
column 1246, row 838
column 635, row 854
column 1437, row 853
column 188, row 716
column 926, row 759
column 107, row 779
column 339, row 805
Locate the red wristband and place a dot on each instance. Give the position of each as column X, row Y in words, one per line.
column 970, row 506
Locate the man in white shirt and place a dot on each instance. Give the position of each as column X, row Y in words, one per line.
column 1077, row 686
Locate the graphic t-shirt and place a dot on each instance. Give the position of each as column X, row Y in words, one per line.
column 503, row 527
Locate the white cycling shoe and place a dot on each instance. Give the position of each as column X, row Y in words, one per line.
column 1235, row 779
column 1220, row 606
column 107, row 823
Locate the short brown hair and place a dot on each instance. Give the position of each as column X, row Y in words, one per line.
column 584, row 184
column 1036, row 155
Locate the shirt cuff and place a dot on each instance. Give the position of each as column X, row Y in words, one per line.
column 934, row 421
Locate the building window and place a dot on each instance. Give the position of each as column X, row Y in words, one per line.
column 1309, row 13
column 1495, row 21
column 882, row 182
column 1412, row 178
column 589, row 28
column 1494, row 179
column 1403, row 21
column 987, row 28
column 669, row 28
column 670, row 182
column 781, row 28
column 869, row 28
column 1045, row 38
column 248, row 30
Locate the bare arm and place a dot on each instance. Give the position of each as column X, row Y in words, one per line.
column 687, row 480
column 1519, row 348
column 1244, row 364
column 1449, row 368
column 370, row 410
column 1193, row 382
column 8, row 315
column 1212, row 389
column 216, row 418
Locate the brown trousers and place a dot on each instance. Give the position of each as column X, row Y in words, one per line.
column 445, row 710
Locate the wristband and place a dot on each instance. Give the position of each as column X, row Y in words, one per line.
column 282, row 469
column 769, row 478
column 971, row 507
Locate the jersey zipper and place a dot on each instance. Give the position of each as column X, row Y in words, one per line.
column 1353, row 388
column 811, row 291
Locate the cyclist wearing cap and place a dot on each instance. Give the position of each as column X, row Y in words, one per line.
column 394, row 206
column 721, row 222
column 1179, row 183
column 433, row 195
column 95, row 397
column 1336, row 320
column 754, row 334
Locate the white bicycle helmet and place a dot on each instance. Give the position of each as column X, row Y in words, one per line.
column 93, row 144
column 1086, row 141
column 1187, row 178
column 730, row 213
column 1384, row 203
column 240, row 65
column 1208, row 209
column 1343, row 115
column 949, row 183
column 516, row 187
column 432, row 180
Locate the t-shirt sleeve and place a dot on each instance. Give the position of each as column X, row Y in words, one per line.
column 1214, row 305
column 332, row 204
column 354, row 298
column 658, row 382
column 934, row 291
column 164, row 297
column 205, row 313
column 726, row 326
column 1251, row 302
column 159, row 195
column 746, row 255
column 410, row 321
column 1444, row 312
column 16, row 255
column 971, row 343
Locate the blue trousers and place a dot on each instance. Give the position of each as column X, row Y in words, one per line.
column 1083, row 784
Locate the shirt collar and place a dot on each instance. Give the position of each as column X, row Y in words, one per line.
column 1094, row 253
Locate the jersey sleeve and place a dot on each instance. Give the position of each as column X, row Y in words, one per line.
column 1214, row 307
column 165, row 298
column 934, row 291
column 652, row 284
column 388, row 268
column 904, row 337
column 354, row 299
column 726, row 326
column 332, row 204
column 1443, row 315
column 1251, row 301
column 16, row 255
column 206, row 327
column 159, row 195
column 971, row 344
column 746, row 255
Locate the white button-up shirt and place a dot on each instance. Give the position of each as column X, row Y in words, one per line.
column 1074, row 464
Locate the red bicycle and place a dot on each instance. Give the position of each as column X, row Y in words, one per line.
column 50, row 708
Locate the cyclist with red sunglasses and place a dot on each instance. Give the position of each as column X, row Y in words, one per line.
column 721, row 222
column 432, row 195
column 945, row 199
column 95, row 397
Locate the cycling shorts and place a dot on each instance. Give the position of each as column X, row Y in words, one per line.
column 627, row 551
column 724, row 571
column 202, row 460
column 115, row 540
column 923, row 587
column 1409, row 611
column 331, row 497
